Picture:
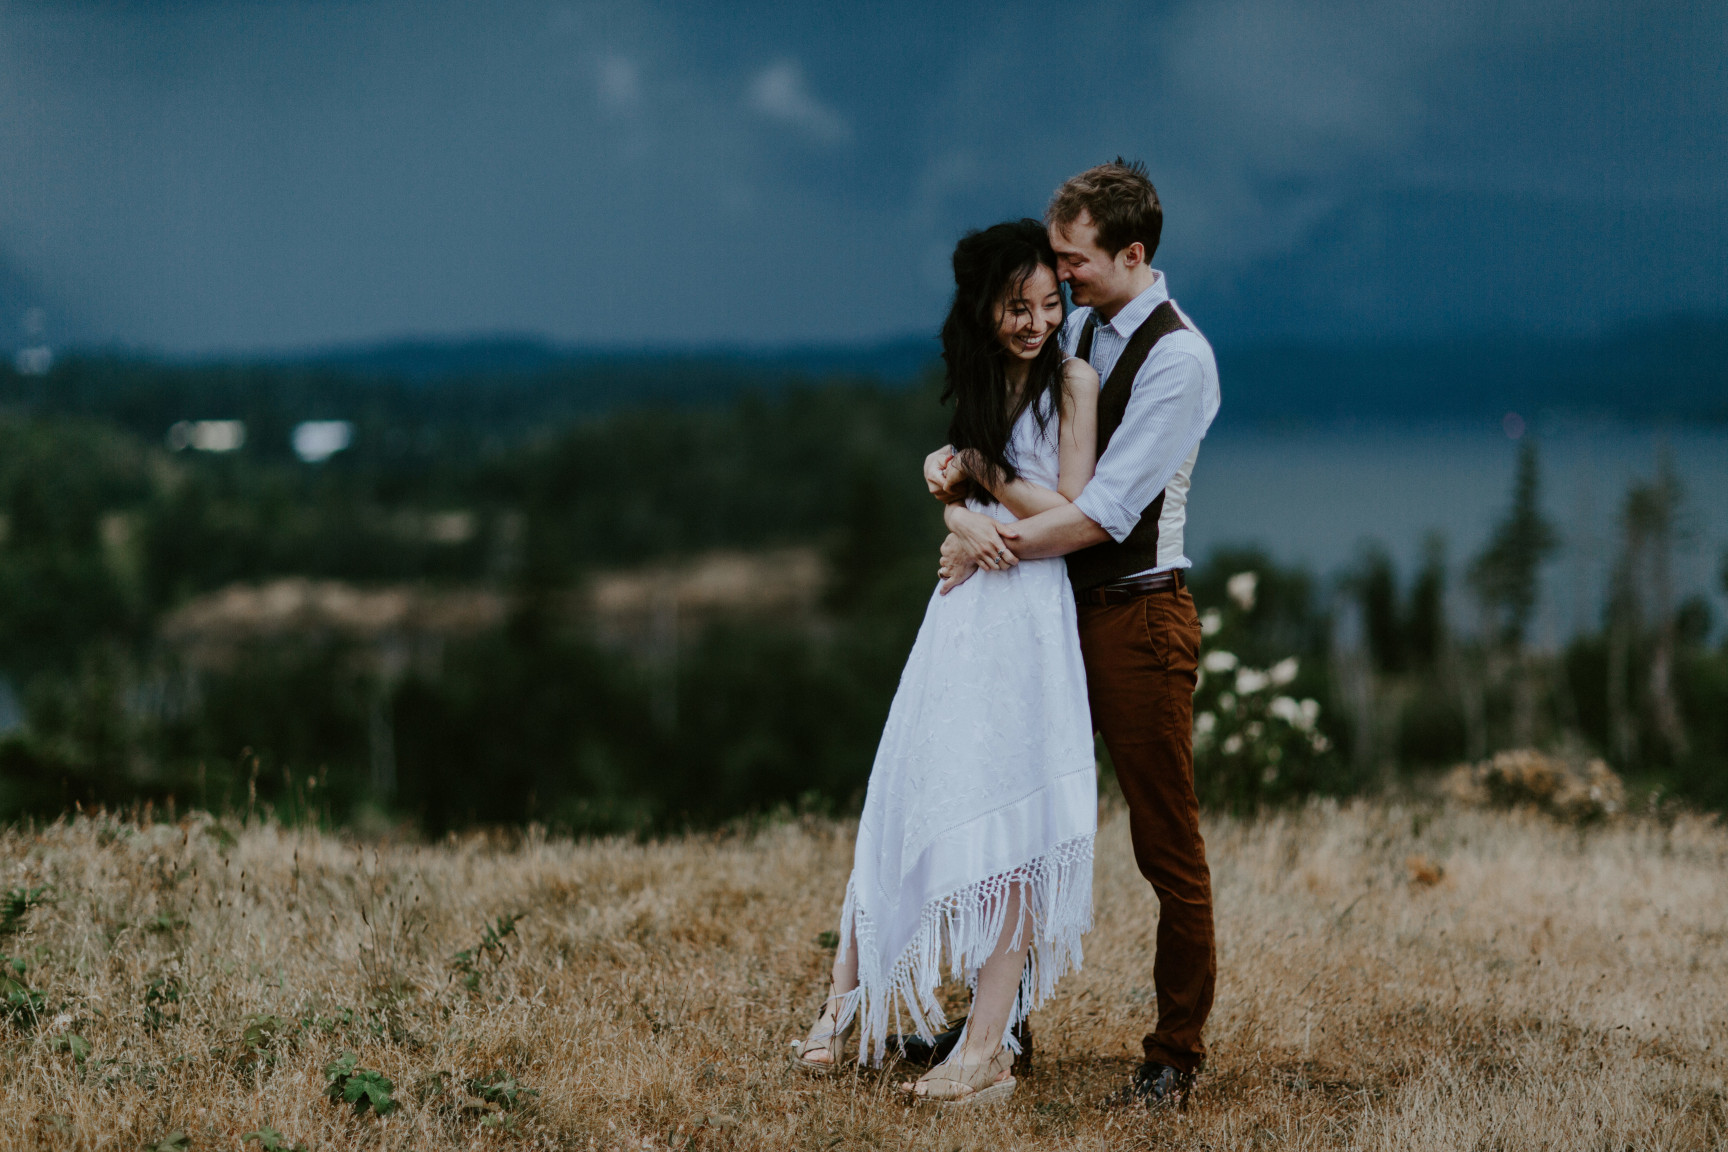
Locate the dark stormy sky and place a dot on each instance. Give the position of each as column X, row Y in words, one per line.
column 243, row 176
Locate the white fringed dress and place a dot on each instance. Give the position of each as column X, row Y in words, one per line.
column 984, row 778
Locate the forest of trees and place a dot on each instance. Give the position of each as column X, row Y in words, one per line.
column 505, row 490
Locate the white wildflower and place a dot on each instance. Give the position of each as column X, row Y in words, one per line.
column 1241, row 588
column 1233, row 744
column 1219, row 661
column 1211, row 621
column 1250, row 681
column 1286, row 709
column 1284, row 671
column 1310, row 714
column 1227, row 702
column 1205, row 722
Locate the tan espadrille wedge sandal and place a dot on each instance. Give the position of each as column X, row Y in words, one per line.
column 952, row 1083
column 822, row 1039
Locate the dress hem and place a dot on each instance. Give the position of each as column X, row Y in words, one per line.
column 964, row 927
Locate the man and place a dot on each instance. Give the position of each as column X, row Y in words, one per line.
column 1139, row 632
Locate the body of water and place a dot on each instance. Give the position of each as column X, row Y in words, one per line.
column 1315, row 496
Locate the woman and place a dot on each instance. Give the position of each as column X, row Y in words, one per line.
column 976, row 838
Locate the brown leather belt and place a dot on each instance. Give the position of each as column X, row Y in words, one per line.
column 1122, row 591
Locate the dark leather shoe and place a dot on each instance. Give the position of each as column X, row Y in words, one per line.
column 915, row 1050
column 1158, row 1086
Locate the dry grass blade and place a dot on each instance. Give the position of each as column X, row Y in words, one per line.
column 1468, row 980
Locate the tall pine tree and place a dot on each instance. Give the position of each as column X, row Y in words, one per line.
column 1507, row 580
column 1506, row 576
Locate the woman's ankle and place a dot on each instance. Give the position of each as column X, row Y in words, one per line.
column 974, row 1054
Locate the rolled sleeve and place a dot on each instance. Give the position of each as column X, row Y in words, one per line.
column 1106, row 512
column 1167, row 415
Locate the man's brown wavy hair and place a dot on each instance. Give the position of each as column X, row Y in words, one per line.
column 1121, row 201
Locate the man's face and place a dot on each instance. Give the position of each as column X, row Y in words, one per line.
column 1094, row 277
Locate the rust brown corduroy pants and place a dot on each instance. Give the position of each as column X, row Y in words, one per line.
column 1141, row 660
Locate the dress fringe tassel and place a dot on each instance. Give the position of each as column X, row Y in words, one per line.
column 965, row 926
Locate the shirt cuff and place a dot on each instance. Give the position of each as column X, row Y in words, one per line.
column 1106, row 513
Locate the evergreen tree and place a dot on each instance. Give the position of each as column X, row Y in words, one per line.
column 1506, row 576
column 1425, row 632
column 1376, row 586
column 1507, row 579
column 1652, row 519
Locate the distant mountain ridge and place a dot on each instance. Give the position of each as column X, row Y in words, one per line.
column 889, row 361
column 1675, row 367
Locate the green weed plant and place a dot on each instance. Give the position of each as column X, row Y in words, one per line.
column 490, row 951
column 20, row 1005
column 362, row 1087
column 270, row 1140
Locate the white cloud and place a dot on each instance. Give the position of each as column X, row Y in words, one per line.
column 619, row 83
column 780, row 93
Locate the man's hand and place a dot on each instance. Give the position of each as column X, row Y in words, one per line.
column 946, row 483
column 969, row 464
column 956, row 568
column 974, row 541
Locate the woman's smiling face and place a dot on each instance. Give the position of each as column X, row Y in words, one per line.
column 1029, row 314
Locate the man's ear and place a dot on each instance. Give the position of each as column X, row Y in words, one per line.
column 1133, row 255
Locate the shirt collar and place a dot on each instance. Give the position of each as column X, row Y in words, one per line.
column 1137, row 309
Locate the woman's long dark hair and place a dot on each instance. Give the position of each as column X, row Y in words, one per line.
column 990, row 266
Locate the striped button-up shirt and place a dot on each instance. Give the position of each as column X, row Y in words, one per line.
column 1174, row 400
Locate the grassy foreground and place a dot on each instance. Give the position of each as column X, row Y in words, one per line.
column 1389, row 978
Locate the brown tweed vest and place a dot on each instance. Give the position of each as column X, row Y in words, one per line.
column 1110, row 561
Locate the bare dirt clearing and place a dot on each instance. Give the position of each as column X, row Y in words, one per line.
column 1389, row 978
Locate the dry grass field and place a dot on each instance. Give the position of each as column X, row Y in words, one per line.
column 1390, row 978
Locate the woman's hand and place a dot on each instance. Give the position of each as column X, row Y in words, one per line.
column 980, row 540
column 945, row 481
